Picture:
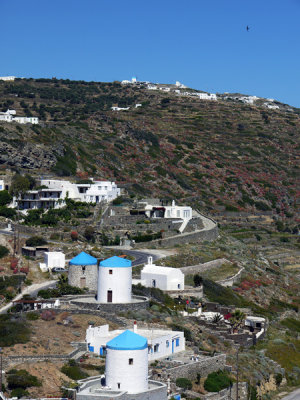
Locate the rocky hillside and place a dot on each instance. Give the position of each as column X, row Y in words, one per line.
column 224, row 155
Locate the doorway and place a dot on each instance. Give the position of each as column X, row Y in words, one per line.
column 82, row 282
column 109, row 296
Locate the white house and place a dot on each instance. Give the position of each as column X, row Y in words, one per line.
column 54, row 259
column 57, row 190
column 152, row 87
column 120, row 108
column 2, row 185
column 114, row 280
column 207, row 96
column 26, row 120
column 164, row 278
column 271, row 106
column 7, row 78
column 161, row 342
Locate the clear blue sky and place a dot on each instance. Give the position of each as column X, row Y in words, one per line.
column 202, row 43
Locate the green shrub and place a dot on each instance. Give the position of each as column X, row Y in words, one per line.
column 3, row 251
column 32, row 316
column 291, row 323
column 7, row 212
column 34, row 241
column 184, row 383
column 5, row 198
column 21, row 379
column 19, row 392
column 73, row 371
column 217, row 381
column 13, row 332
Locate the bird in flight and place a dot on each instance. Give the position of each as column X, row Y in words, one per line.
column 247, row 28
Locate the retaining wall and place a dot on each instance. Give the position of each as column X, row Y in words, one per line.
column 204, row 366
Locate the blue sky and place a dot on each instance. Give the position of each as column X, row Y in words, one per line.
column 202, row 43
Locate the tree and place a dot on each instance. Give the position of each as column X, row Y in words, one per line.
column 20, row 184
column 5, row 198
column 197, row 280
column 236, row 320
column 89, row 234
column 34, row 241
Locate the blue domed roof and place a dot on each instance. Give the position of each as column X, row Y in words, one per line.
column 115, row 262
column 83, row 259
column 128, row 340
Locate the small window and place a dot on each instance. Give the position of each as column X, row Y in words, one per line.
column 110, row 272
column 167, row 343
column 83, row 269
column 178, row 286
column 177, row 342
column 119, row 385
column 156, row 347
column 130, row 361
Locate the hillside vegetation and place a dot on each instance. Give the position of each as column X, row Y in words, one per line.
column 223, row 155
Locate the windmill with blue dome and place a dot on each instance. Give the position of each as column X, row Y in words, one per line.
column 114, row 280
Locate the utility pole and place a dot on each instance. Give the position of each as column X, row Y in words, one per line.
column 237, row 373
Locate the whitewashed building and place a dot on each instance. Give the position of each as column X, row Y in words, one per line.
column 161, row 342
column 54, row 259
column 2, row 185
column 7, row 116
column 26, row 120
column 164, row 278
column 114, row 280
column 126, row 372
column 58, row 190
column 7, row 78
column 207, row 96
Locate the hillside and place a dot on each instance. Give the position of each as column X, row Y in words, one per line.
column 218, row 156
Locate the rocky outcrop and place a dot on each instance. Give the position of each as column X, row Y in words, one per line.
column 29, row 156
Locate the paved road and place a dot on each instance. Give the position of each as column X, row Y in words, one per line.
column 292, row 396
column 140, row 256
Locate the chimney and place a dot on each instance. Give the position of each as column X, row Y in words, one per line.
column 150, row 258
column 135, row 327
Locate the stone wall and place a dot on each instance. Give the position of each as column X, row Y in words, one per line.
column 142, row 304
column 76, row 273
column 233, row 279
column 204, row 366
column 194, row 237
column 195, row 269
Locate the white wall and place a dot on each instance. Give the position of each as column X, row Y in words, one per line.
column 132, row 378
column 2, row 185
column 165, row 345
column 54, row 259
column 118, row 280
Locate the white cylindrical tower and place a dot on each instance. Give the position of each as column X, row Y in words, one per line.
column 126, row 366
column 114, row 280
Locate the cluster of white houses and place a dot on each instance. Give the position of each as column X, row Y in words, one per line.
column 10, row 116
column 54, row 192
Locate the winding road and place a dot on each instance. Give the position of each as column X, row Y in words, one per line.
column 292, row 396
